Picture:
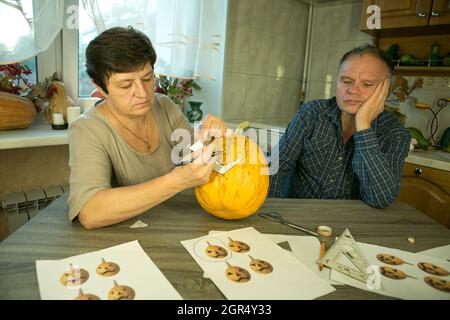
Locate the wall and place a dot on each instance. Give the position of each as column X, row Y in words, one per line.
column 31, row 168
column 336, row 31
column 264, row 58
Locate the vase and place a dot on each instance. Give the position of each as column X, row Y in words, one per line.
column 194, row 112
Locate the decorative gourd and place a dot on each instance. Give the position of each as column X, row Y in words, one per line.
column 15, row 112
column 58, row 103
column 242, row 190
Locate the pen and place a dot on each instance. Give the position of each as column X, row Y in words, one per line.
column 322, row 253
column 182, row 163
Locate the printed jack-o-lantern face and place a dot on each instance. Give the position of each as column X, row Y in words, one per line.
column 216, row 252
column 107, row 269
column 121, row 293
column 238, row 246
column 393, row 273
column 432, row 269
column 237, row 274
column 74, row 276
column 260, row 266
column 86, row 296
column 390, row 259
column 437, row 283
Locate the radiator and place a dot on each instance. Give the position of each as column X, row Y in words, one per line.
column 30, row 202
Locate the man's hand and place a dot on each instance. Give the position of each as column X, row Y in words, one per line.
column 372, row 107
column 212, row 127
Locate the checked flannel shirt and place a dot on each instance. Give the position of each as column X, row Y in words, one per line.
column 314, row 162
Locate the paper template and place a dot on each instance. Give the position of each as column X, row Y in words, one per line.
column 407, row 280
column 245, row 264
column 439, row 252
column 122, row 272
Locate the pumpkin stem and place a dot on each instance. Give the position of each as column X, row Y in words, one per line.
column 253, row 259
column 103, row 260
column 239, row 131
column 115, row 284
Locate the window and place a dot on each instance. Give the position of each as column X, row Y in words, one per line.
column 187, row 34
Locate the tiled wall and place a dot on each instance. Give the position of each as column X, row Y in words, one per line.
column 264, row 60
column 335, row 31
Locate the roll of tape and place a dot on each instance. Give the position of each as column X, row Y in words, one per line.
column 324, row 231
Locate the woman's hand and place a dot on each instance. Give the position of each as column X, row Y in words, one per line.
column 197, row 172
column 212, row 126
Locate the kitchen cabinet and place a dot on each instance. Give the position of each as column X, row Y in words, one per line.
column 414, row 25
column 428, row 190
column 409, row 13
column 440, row 12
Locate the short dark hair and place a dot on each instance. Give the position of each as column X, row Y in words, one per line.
column 369, row 49
column 118, row 50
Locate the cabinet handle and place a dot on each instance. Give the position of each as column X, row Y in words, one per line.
column 421, row 14
column 435, row 13
column 418, row 171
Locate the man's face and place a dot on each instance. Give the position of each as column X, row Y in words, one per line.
column 357, row 79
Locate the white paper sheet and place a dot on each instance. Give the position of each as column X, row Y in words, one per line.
column 406, row 288
column 304, row 248
column 290, row 279
column 439, row 252
column 137, row 271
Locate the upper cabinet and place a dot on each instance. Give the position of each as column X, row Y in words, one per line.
column 409, row 13
column 440, row 12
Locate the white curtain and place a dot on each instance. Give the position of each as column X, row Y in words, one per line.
column 185, row 33
column 28, row 27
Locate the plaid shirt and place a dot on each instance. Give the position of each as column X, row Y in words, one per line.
column 315, row 163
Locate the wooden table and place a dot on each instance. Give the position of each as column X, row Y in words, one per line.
column 51, row 236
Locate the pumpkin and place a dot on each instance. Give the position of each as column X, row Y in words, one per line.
column 86, row 296
column 260, row 266
column 438, row 283
column 432, row 269
column 215, row 251
column 15, row 112
column 238, row 246
column 121, row 292
column 393, row 273
column 237, row 274
column 74, row 276
column 242, row 190
column 107, row 268
column 390, row 259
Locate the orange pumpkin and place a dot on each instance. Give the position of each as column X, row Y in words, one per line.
column 242, row 190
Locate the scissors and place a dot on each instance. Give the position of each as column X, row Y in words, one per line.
column 275, row 216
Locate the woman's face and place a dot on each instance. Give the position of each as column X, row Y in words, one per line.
column 132, row 93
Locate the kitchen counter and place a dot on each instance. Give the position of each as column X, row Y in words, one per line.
column 434, row 159
column 50, row 236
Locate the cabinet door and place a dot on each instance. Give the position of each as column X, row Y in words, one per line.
column 400, row 13
column 440, row 12
column 427, row 190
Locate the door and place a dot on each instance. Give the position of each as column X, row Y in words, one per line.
column 440, row 12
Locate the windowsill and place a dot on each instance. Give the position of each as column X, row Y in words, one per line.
column 38, row 134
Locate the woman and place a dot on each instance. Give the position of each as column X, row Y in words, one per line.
column 120, row 150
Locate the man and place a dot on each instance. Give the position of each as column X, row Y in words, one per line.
column 346, row 147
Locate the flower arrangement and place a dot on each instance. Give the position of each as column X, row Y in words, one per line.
column 13, row 78
column 175, row 88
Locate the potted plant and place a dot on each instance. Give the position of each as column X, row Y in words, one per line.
column 176, row 89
